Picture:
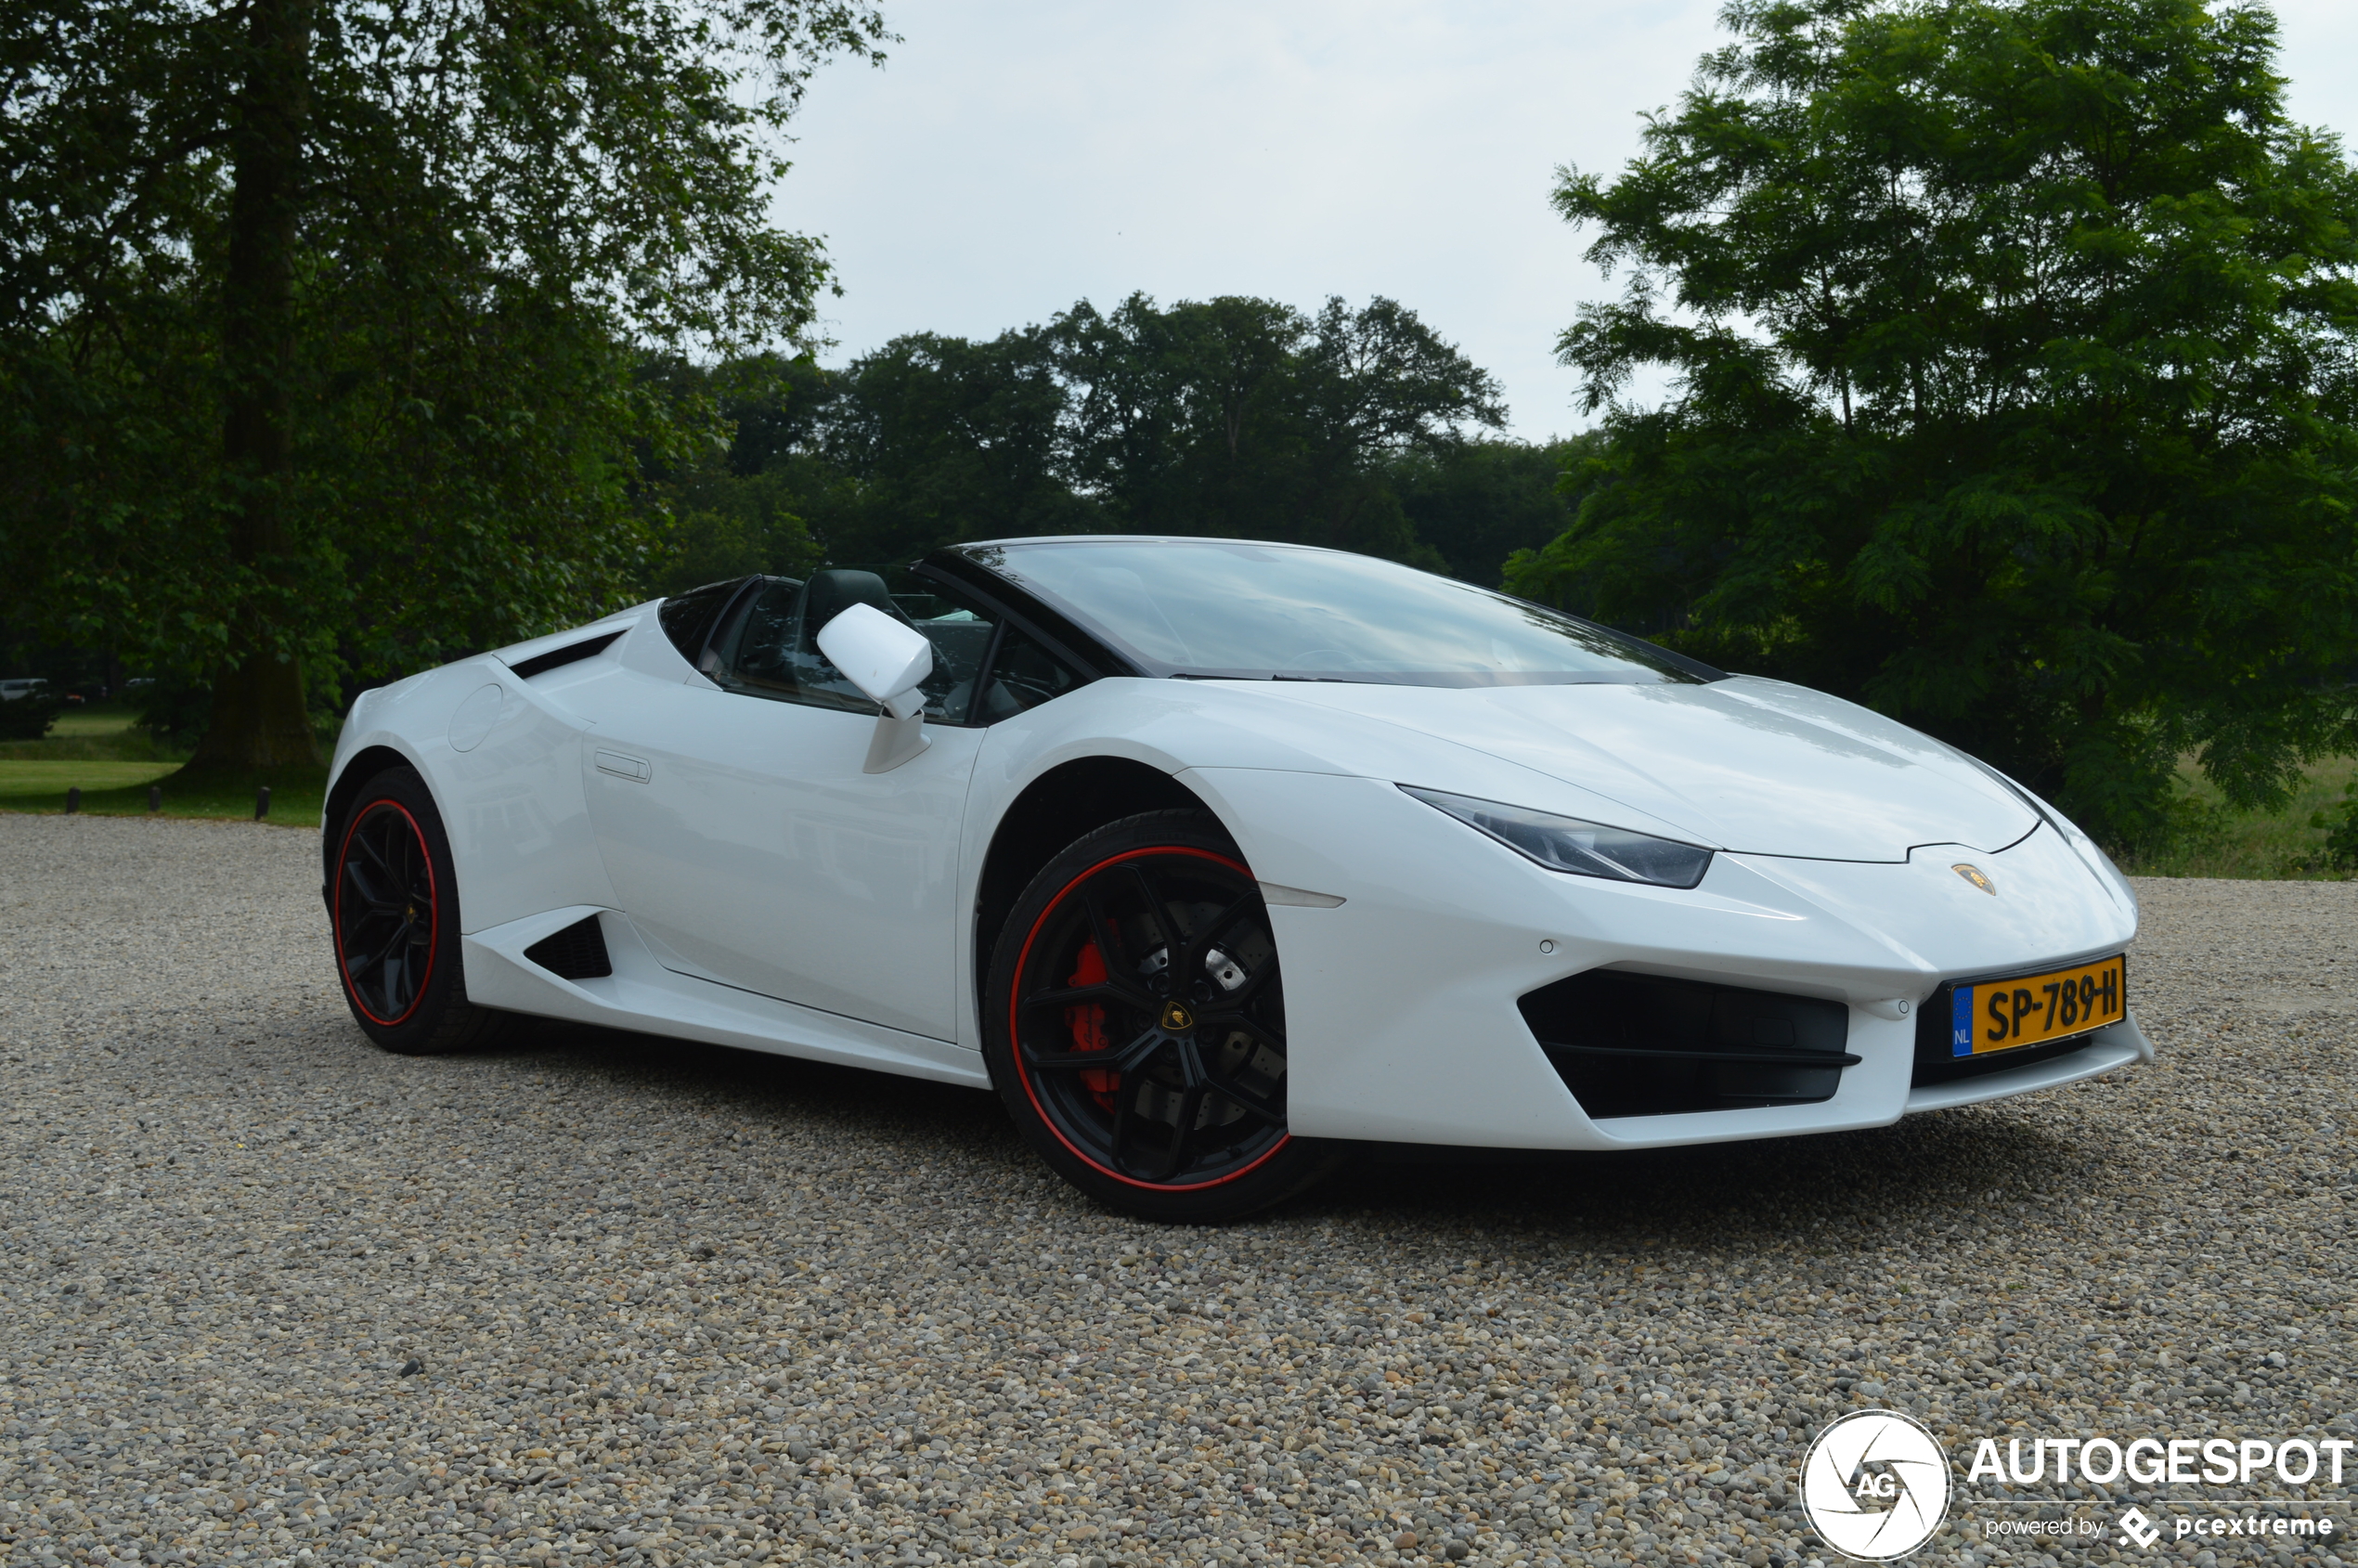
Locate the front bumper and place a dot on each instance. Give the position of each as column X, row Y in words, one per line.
column 1401, row 1003
column 2116, row 1046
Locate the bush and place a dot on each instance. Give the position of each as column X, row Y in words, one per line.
column 27, row 718
column 176, row 709
column 2342, row 830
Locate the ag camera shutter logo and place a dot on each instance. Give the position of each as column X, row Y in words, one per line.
column 1875, row 1485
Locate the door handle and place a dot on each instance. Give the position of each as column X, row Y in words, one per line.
column 636, row 768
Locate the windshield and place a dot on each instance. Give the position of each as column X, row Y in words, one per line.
column 1222, row 608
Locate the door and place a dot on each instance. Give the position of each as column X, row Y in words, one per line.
column 741, row 833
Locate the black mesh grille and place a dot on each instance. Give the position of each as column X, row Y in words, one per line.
column 1640, row 1046
column 578, row 953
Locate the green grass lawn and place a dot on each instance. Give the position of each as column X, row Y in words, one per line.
column 119, row 789
column 101, row 732
column 105, row 752
column 54, row 777
column 2275, row 846
column 97, row 718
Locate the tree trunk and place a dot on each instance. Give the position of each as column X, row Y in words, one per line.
column 258, row 718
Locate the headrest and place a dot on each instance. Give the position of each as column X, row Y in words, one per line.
column 829, row 594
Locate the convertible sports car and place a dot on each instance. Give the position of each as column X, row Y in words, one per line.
column 1216, row 859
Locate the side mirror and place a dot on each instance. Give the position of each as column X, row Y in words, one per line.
column 887, row 661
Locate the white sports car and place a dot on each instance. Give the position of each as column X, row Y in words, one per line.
column 1216, row 859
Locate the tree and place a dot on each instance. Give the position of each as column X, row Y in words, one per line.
column 1238, row 417
column 737, row 509
column 948, row 439
column 1245, row 418
column 2011, row 349
column 1479, row 501
column 319, row 321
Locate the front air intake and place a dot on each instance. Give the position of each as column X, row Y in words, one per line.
column 578, row 953
column 1641, row 1045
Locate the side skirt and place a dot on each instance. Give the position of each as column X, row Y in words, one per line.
column 644, row 996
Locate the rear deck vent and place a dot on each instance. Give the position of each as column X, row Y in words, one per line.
column 1641, row 1045
column 557, row 658
column 578, row 953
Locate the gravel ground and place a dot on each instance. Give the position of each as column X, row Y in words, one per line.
column 273, row 1296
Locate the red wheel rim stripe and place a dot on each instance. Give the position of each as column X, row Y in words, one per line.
column 433, row 910
column 1015, row 1036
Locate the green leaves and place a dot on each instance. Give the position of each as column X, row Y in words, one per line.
column 1233, row 415
column 1245, row 418
column 2010, row 349
column 504, row 205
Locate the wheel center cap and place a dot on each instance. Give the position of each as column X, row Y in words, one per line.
column 1177, row 1019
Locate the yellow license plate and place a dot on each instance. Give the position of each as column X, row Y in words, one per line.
column 2006, row 1015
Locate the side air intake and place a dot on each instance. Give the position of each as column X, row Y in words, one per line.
column 557, row 658
column 578, row 953
column 1641, row 1045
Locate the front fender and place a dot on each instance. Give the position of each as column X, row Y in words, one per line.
column 507, row 780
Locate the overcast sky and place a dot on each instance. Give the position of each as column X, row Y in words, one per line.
column 1013, row 158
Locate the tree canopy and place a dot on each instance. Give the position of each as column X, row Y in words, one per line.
column 2010, row 356
column 320, row 320
column 1232, row 416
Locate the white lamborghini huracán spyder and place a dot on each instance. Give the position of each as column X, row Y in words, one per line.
column 1216, row 859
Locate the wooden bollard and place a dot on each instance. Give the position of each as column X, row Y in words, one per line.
column 73, row 801
column 155, row 798
column 262, row 803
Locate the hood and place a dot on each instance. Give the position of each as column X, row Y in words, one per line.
column 1748, row 765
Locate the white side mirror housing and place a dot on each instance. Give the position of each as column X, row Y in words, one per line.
column 878, row 654
column 887, row 661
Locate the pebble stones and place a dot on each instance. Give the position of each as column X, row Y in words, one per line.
column 275, row 1297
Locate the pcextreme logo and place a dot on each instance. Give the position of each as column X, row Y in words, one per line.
column 1875, row 1485
column 2136, row 1530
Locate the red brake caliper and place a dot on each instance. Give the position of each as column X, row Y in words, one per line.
column 1087, row 1022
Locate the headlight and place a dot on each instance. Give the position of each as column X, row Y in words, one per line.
column 1569, row 844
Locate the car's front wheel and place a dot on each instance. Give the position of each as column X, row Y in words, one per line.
column 394, row 901
column 1135, row 1025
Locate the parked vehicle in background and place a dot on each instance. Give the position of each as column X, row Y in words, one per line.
column 27, row 707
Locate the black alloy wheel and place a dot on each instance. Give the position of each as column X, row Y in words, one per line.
column 1141, row 1025
column 386, row 917
column 393, row 900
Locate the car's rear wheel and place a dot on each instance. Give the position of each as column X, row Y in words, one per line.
column 394, row 902
column 1135, row 1024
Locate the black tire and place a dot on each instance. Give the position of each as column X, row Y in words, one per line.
column 1190, row 1128
column 394, row 908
